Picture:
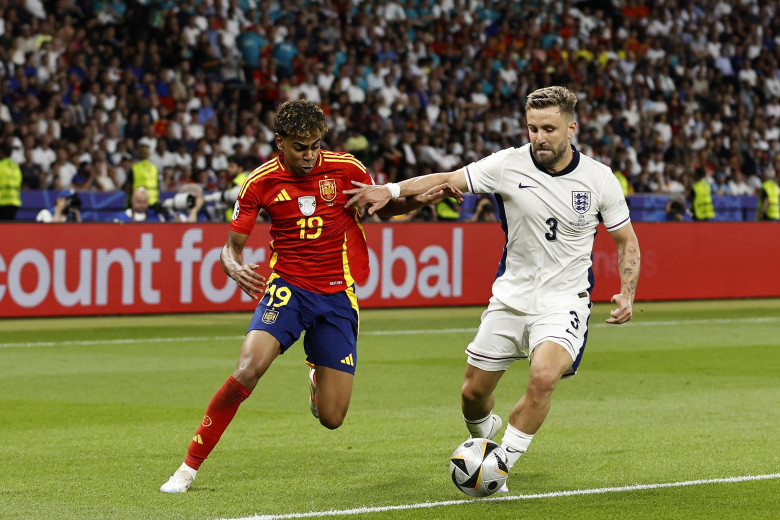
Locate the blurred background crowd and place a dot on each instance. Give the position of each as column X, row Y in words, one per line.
column 668, row 90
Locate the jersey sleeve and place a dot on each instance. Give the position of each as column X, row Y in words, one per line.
column 246, row 209
column 484, row 176
column 359, row 172
column 613, row 207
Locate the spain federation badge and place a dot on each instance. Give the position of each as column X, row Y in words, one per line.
column 580, row 201
column 269, row 316
column 328, row 190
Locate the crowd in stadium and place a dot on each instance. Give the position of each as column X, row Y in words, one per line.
column 666, row 88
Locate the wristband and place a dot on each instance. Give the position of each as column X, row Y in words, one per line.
column 395, row 189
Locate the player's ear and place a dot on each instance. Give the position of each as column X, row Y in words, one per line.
column 278, row 139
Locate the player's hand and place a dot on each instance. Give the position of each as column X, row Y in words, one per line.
column 439, row 193
column 624, row 310
column 375, row 197
column 249, row 280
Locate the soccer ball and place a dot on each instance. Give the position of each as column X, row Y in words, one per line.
column 478, row 467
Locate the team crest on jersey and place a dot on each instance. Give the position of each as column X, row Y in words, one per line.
column 580, row 201
column 269, row 316
column 328, row 190
column 307, row 204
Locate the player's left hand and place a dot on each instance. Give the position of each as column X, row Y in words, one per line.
column 439, row 193
column 373, row 196
column 624, row 310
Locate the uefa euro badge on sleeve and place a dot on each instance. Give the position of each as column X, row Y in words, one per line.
column 580, row 201
column 307, row 204
column 328, row 190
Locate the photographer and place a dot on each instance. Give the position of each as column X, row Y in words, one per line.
column 67, row 208
column 188, row 205
column 139, row 210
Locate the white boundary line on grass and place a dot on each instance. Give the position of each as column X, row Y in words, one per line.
column 186, row 339
column 554, row 494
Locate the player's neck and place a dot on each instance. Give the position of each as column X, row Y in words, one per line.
column 563, row 163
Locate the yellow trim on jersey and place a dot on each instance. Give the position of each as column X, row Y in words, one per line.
column 345, row 263
column 342, row 158
column 274, row 257
column 258, row 172
column 359, row 223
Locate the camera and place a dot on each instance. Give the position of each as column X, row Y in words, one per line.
column 74, row 202
column 226, row 196
column 179, row 202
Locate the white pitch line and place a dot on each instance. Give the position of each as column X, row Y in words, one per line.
column 411, row 332
column 554, row 494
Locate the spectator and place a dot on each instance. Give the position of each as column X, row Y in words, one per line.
column 485, row 210
column 33, row 177
column 721, row 186
column 738, row 185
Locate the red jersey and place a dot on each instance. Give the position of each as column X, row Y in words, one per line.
column 316, row 243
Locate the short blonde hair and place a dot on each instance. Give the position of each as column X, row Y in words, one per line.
column 546, row 97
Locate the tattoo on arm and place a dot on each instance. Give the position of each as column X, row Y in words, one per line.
column 629, row 262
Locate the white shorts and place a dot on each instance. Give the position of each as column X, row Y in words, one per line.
column 506, row 335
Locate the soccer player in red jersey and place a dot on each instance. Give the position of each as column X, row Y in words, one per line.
column 319, row 251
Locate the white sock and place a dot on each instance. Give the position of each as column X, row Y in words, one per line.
column 515, row 443
column 479, row 428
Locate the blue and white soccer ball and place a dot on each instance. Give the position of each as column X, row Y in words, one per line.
column 478, row 467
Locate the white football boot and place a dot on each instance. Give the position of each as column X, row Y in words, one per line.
column 180, row 481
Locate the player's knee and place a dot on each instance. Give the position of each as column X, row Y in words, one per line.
column 542, row 382
column 331, row 421
column 473, row 393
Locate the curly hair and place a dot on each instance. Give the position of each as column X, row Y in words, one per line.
column 300, row 118
column 560, row 97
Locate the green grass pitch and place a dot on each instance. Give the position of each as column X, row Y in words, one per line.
column 97, row 412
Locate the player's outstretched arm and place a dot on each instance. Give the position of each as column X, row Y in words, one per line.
column 433, row 196
column 628, row 263
column 245, row 275
column 376, row 197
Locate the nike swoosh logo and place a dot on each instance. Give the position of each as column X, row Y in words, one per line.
column 507, row 448
column 523, row 187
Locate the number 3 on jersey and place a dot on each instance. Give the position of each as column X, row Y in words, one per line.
column 311, row 228
column 552, row 236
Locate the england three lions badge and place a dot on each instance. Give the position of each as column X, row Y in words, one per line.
column 580, row 201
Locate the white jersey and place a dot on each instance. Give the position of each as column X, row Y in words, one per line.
column 550, row 223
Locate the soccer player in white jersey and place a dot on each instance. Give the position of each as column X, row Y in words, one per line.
column 551, row 199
